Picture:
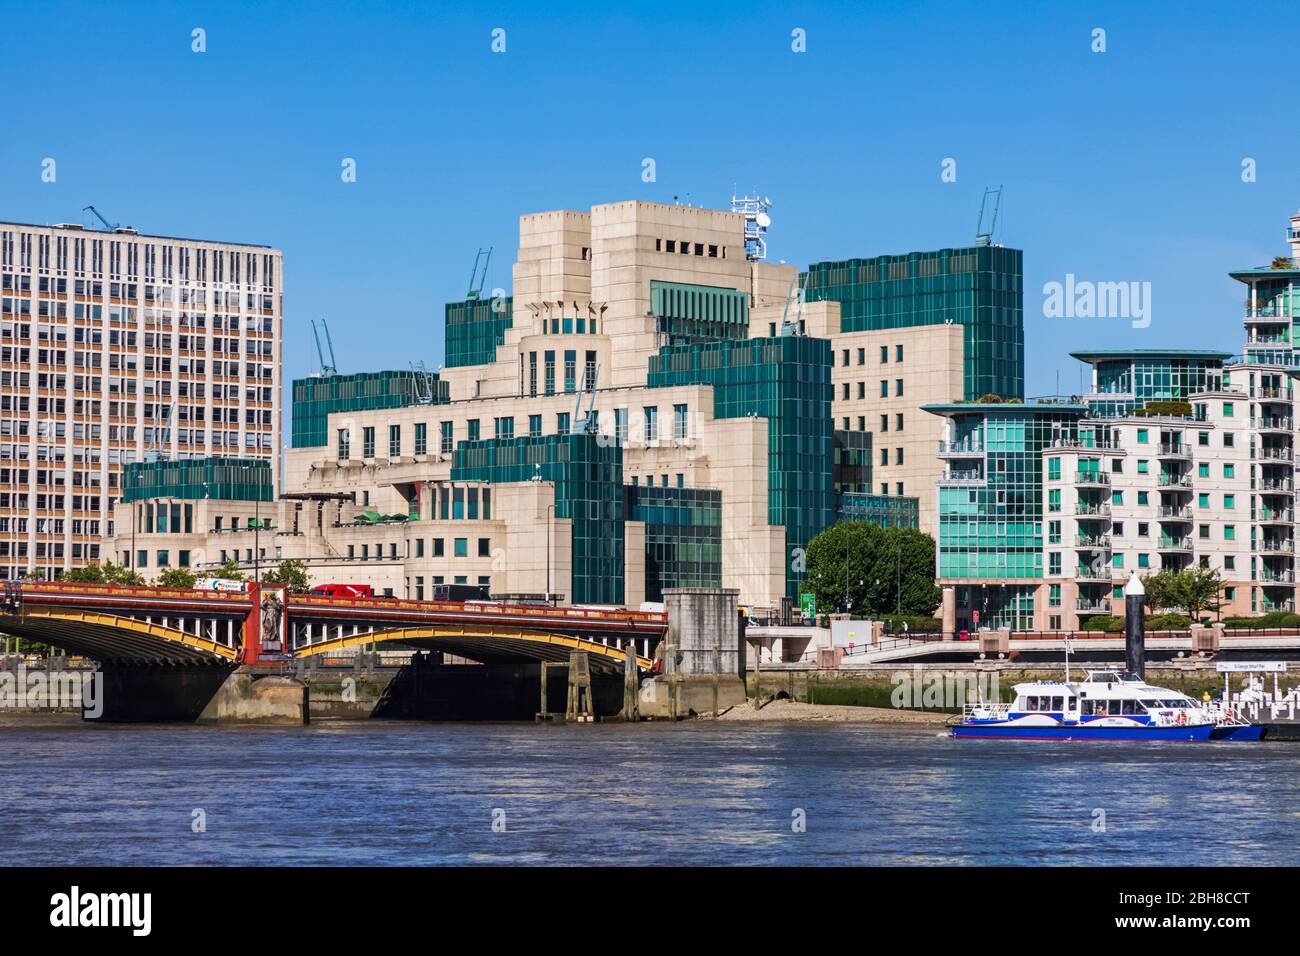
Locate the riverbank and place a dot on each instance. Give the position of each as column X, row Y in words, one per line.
column 784, row 709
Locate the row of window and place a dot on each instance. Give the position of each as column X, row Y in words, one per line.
column 846, row 389
column 862, row 355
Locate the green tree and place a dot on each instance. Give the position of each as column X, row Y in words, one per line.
column 1193, row 590
column 292, row 574
column 1282, row 262
column 176, row 578
column 106, row 573
column 888, row 570
column 229, row 572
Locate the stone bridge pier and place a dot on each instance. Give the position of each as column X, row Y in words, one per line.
column 700, row 664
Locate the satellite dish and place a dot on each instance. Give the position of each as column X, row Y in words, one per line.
column 764, row 220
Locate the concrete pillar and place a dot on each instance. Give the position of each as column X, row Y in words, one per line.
column 950, row 611
column 703, row 632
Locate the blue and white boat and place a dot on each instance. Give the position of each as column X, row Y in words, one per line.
column 1106, row 705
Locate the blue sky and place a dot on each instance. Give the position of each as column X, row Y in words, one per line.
column 1117, row 166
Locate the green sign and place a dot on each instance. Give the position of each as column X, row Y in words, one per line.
column 808, row 605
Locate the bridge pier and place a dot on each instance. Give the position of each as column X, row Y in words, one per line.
column 215, row 693
column 702, row 656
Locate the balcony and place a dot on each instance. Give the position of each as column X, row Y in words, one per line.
column 961, row 449
column 1086, row 445
column 1084, row 509
column 1176, row 450
column 1273, row 423
column 1267, row 606
column 1176, row 482
column 1093, row 479
column 1092, row 542
column 1092, row 572
column 962, row 478
column 1278, row 546
column 1093, row 605
column 1167, row 543
column 1285, row 516
column 1268, row 313
column 1275, row 454
column 1272, row 393
column 1276, row 578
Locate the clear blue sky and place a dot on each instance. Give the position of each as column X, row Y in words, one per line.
column 1121, row 166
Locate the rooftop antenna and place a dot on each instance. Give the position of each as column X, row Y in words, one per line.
column 326, row 368
column 983, row 238
column 757, row 220
column 486, row 258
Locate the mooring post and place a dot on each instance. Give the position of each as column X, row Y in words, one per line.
column 630, row 687
column 1135, row 626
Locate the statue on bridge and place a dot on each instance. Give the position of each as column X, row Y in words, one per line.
column 272, row 608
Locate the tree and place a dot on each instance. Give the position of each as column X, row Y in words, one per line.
column 1282, row 262
column 889, row 570
column 1193, row 590
column 106, row 573
column 292, row 574
column 229, row 572
column 182, row 578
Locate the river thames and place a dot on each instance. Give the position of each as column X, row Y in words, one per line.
column 689, row 794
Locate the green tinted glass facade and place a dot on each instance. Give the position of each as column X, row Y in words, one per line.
column 228, row 479
column 315, row 399
column 786, row 380
column 683, row 537
column 475, row 328
column 991, row 503
column 1125, row 380
column 692, row 314
column 587, row 472
column 852, row 465
column 979, row 288
column 888, row 511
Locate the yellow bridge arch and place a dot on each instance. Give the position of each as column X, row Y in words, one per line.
column 487, row 643
column 114, row 638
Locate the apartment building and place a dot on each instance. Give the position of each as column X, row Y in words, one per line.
column 116, row 347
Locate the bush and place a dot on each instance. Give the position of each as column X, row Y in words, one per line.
column 1272, row 619
column 1103, row 622
column 915, row 624
column 1168, row 622
column 1172, row 409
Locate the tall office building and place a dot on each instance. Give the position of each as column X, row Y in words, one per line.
column 117, row 347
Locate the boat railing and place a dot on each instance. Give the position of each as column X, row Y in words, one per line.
column 986, row 711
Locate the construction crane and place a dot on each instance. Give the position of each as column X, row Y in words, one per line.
column 326, row 368
column 983, row 238
column 110, row 226
column 476, row 290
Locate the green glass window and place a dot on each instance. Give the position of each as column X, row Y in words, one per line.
column 1229, row 532
column 1143, row 466
column 462, row 547
column 1229, row 471
column 1203, row 470
column 1144, row 560
column 1229, row 501
column 1203, row 500
column 1143, row 438
column 1117, row 561
column 1117, row 497
column 1054, row 469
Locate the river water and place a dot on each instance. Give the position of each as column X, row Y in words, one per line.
column 689, row 793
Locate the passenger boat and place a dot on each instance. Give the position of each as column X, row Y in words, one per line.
column 1106, row 705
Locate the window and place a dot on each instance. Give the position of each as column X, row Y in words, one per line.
column 1229, row 501
column 534, row 426
column 1143, row 438
column 394, row 441
column 1227, row 409
column 884, row 354
column 1227, row 440
column 1203, row 500
column 898, row 353
column 1053, row 469
column 1143, row 497
column 1229, row 471
column 898, row 456
column 681, row 421
column 503, row 428
column 368, row 442
column 651, row 423
column 1203, row 470
column 1117, row 497
column 898, row 421
column 1229, row 563
column 473, row 429
column 1203, row 439
column 485, row 547
column 884, row 388
column 562, row 423
column 345, row 445
column 1054, row 499
column 1204, row 531
column 461, row 548
column 421, row 438
column 1117, row 466
column 1144, row 560
column 1144, row 529
column 1142, row 466
column 1054, row 595
column 439, row 549
column 1117, row 561
column 1229, row 532
column 1053, row 532
column 898, row 386
column 445, row 441
column 1054, row 563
